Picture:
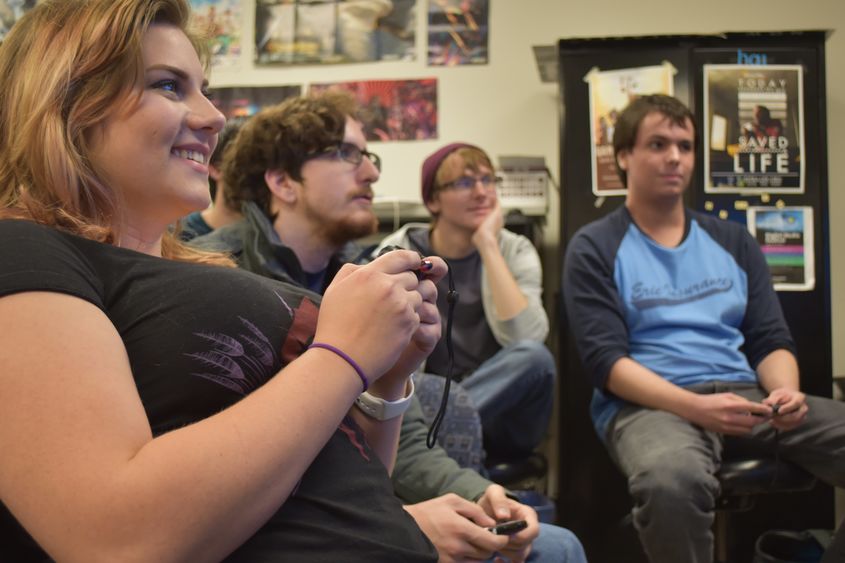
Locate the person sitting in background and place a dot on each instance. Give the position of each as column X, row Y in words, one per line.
column 681, row 331
column 303, row 176
column 219, row 213
column 156, row 405
column 762, row 125
column 499, row 321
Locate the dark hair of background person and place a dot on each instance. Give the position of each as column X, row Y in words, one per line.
column 224, row 140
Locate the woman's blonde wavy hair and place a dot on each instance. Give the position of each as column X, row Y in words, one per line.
column 67, row 66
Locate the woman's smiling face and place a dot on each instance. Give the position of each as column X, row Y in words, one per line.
column 154, row 153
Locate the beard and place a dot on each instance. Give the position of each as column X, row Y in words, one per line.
column 339, row 231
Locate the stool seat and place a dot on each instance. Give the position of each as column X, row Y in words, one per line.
column 756, row 476
column 742, row 480
column 520, row 473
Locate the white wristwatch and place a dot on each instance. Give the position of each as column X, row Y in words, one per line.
column 380, row 409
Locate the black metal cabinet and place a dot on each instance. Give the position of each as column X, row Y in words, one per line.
column 592, row 498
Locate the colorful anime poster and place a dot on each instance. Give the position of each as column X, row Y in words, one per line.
column 753, row 129
column 457, row 32
column 610, row 92
column 10, row 12
column 243, row 101
column 786, row 237
column 393, row 110
column 222, row 19
column 334, row 31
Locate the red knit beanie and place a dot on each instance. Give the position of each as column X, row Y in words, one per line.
column 432, row 164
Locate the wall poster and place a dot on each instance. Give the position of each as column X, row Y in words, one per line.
column 10, row 12
column 610, row 92
column 753, row 129
column 222, row 19
column 458, row 32
column 785, row 235
column 243, row 101
column 334, row 31
column 393, row 110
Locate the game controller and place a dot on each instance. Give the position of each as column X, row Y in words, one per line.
column 425, row 265
column 507, row 528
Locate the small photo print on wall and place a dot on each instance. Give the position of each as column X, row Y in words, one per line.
column 243, row 101
column 458, row 32
column 334, row 31
column 10, row 12
column 393, row 110
column 610, row 92
column 753, row 129
column 222, row 19
column 785, row 235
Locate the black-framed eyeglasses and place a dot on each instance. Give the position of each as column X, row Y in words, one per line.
column 488, row 181
column 350, row 153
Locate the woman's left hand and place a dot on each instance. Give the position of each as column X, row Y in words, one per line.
column 428, row 334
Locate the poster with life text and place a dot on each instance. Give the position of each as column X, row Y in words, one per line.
column 753, row 129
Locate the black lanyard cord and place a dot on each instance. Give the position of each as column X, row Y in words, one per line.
column 451, row 300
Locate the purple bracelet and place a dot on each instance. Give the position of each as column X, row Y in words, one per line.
column 346, row 357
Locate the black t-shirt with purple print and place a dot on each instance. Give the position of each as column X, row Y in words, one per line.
column 199, row 338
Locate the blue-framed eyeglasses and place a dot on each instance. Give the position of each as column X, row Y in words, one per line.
column 488, row 181
column 349, row 153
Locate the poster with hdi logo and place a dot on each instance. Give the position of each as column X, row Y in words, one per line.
column 753, row 129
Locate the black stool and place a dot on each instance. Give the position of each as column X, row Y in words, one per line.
column 523, row 473
column 742, row 480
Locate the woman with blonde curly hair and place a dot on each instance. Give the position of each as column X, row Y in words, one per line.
column 156, row 406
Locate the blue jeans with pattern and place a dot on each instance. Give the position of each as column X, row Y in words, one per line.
column 514, row 394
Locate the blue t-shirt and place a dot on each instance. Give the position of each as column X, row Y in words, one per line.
column 702, row 311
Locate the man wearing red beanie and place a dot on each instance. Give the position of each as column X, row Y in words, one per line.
column 499, row 322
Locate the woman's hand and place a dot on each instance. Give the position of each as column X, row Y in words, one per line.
column 372, row 312
column 428, row 334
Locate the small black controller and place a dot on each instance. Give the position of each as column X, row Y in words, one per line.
column 390, row 248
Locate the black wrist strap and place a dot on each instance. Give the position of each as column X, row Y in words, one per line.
column 451, row 300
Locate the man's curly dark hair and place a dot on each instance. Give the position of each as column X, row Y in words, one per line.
column 283, row 137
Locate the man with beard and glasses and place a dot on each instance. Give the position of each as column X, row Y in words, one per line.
column 302, row 176
column 302, row 179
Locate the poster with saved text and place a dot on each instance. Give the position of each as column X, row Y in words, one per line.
column 753, row 129
column 610, row 92
column 786, row 237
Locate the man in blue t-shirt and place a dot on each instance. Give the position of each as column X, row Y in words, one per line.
column 678, row 325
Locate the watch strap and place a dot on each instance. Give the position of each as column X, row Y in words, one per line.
column 382, row 409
